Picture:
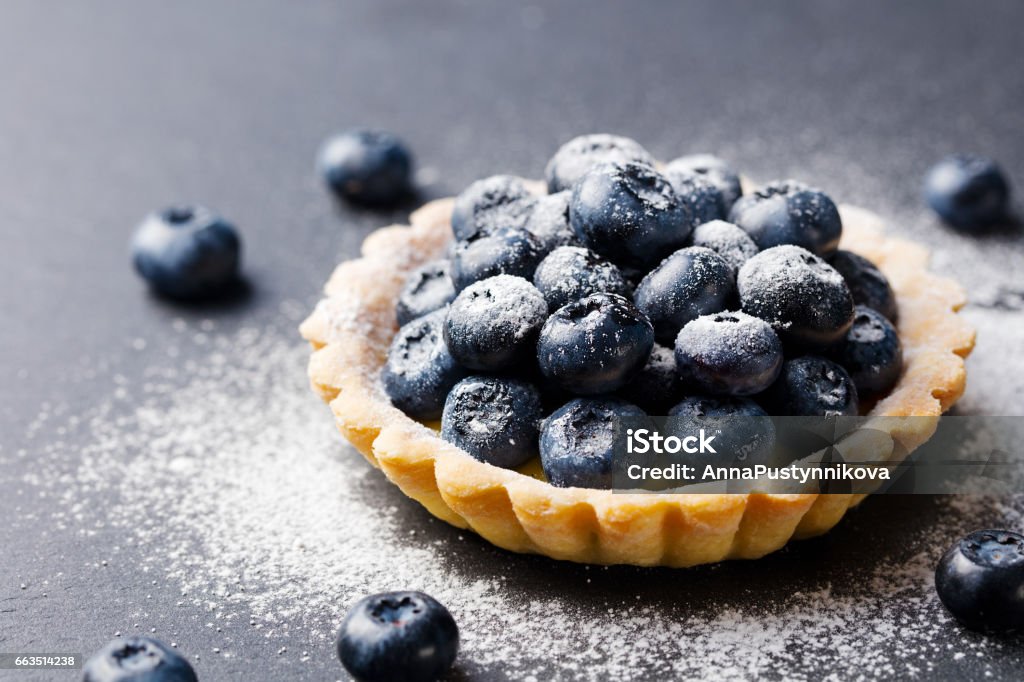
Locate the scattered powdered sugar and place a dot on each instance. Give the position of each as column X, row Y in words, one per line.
column 227, row 477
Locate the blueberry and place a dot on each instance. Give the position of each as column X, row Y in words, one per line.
column 967, row 191
column 747, row 435
column 500, row 201
column 187, row 252
column 868, row 285
column 494, row 323
column 980, row 580
column 398, row 637
column 799, row 294
column 629, row 214
column 812, row 386
column 871, row 352
column 427, row 288
column 570, row 273
column 577, row 156
column 420, row 371
column 137, row 659
column 691, row 282
column 714, row 169
column 789, row 212
column 370, row 167
column 549, row 222
column 657, row 385
column 594, row 345
column 727, row 240
column 504, row 251
column 701, row 196
column 577, row 441
column 728, row 354
column 494, row 419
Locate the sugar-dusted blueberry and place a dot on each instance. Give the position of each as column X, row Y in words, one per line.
column 367, row 166
column 629, row 214
column 594, row 345
column 187, row 252
column 500, row 201
column 812, row 386
column 427, row 288
column 727, row 240
column 868, row 285
column 728, row 353
column 570, row 273
column 493, row 323
column 980, row 579
column 549, row 222
column 407, row 636
column 691, row 282
column 503, row 251
column 871, row 352
column 578, row 441
column 967, row 191
column 577, row 156
column 494, row 419
column 714, row 169
column 420, row 371
column 744, row 433
column 657, row 385
column 799, row 294
column 789, row 212
column 701, row 196
column 137, row 659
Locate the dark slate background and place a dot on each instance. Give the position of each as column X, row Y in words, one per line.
column 109, row 109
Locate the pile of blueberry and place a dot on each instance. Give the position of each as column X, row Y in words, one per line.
column 630, row 290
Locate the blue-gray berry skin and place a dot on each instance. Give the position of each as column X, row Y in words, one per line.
column 371, row 167
column 187, row 252
column 549, row 222
column 702, row 197
column 746, row 437
column 727, row 240
column 867, row 284
column 398, row 637
column 494, row 419
column 871, row 352
column 728, row 353
column 570, row 273
column 657, row 385
column 968, row 191
column 427, row 288
column 691, row 282
column 714, row 169
column 504, row 251
column 789, row 212
column 629, row 214
column 420, row 371
column 799, row 294
column 493, row 324
column 497, row 202
column 137, row 659
column 980, row 580
column 812, row 386
column 581, row 154
column 594, row 345
column 578, row 441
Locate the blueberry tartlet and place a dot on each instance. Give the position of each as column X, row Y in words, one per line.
column 483, row 356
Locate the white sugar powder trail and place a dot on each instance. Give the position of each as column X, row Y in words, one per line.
column 231, row 479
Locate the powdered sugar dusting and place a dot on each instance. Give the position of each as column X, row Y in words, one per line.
column 229, row 477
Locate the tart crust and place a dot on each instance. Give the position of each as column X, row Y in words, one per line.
column 350, row 331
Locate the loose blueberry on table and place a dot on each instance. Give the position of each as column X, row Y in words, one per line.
column 370, row 167
column 398, row 637
column 187, row 252
column 967, row 191
column 727, row 319
column 137, row 659
column 980, row 579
